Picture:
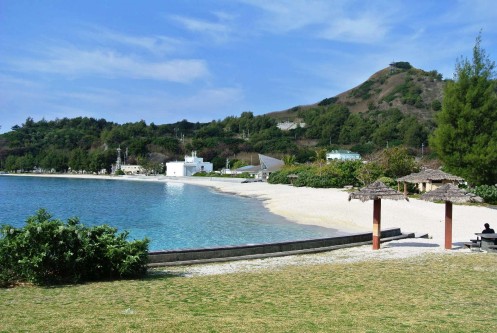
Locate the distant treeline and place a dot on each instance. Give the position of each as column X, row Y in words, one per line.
column 90, row 144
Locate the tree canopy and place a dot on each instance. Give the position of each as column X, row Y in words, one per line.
column 466, row 137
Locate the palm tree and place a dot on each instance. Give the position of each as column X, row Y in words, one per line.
column 289, row 160
column 320, row 158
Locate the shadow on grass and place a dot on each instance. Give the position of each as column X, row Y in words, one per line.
column 150, row 275
column 155, row 274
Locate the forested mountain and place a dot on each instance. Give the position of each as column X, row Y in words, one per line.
column 393, row 107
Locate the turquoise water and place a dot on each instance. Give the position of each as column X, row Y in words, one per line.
column 171, row 215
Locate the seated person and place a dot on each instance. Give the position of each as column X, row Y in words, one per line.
column 487, row 229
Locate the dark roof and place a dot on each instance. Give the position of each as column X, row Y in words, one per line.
column 249, row 168
column 377, row 190
column 428, row 174
column 270, row 163
column 452, row 193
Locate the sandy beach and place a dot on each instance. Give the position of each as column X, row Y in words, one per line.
column 331, row 208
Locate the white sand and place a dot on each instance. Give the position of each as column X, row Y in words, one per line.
column 331, row 208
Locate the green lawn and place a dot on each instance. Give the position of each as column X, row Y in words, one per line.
column 435, row 293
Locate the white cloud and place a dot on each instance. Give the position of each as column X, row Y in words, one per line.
column 338, row 20
column 162, row 107
column 286, row 16
column 218, row 31
column 114, row 104
column 365, row 29
column 107, row 63
column 156, row 44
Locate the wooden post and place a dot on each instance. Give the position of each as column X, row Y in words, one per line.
column 376, row 224
column 448, row 225
column 405, row 189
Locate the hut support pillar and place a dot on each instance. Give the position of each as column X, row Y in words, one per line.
column 405, row 189
column 376, row 224
column 448, row 225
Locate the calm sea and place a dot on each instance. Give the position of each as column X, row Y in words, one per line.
column 171, row 215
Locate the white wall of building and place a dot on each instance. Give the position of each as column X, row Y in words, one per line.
column 344, row 155
column 190, row 166
column 132, row 169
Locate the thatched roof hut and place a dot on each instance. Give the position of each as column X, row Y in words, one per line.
column 450, row 193
column 429, row 179
column 376, row 192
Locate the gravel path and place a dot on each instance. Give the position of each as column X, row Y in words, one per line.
column 406, row 248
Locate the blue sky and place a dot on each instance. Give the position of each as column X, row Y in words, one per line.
column 164, row 61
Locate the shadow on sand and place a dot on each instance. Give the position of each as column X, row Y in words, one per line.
column 412, row 244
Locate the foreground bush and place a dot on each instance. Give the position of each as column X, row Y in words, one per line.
column 49, row 251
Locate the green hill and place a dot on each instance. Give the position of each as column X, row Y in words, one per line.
column 395, row 106
column 410, row 90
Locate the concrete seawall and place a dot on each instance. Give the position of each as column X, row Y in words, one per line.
column 229, row 253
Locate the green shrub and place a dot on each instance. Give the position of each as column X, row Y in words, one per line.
column 218, row 175
column 328, row 101
column 49, row 251
column 363, row 91
column 336, row 174
column 487, row 192
column 436, row 105
column 390, row 182
column 401, row 65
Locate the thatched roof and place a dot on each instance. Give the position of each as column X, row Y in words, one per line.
column 452, row 193
column 428, row 175
column 377, row 190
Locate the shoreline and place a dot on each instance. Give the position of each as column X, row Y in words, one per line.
column 330, row 208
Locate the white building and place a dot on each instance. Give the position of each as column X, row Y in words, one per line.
column 269, row 165
column 289, row 125
column 131, row 169
column 188, row 167
column 343, row 155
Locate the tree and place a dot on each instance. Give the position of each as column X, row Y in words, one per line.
column 54, row 159
column 369, row 173
column 289, row 160
column 396, row 162
column 320, row 158
column 26, row 163
column 78, row 160
column 466, row 137
column 12, row 163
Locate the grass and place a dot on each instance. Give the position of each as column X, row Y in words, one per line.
column 434, row 293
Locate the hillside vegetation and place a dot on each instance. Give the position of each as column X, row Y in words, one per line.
column 412, row 91
column 393, row 107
